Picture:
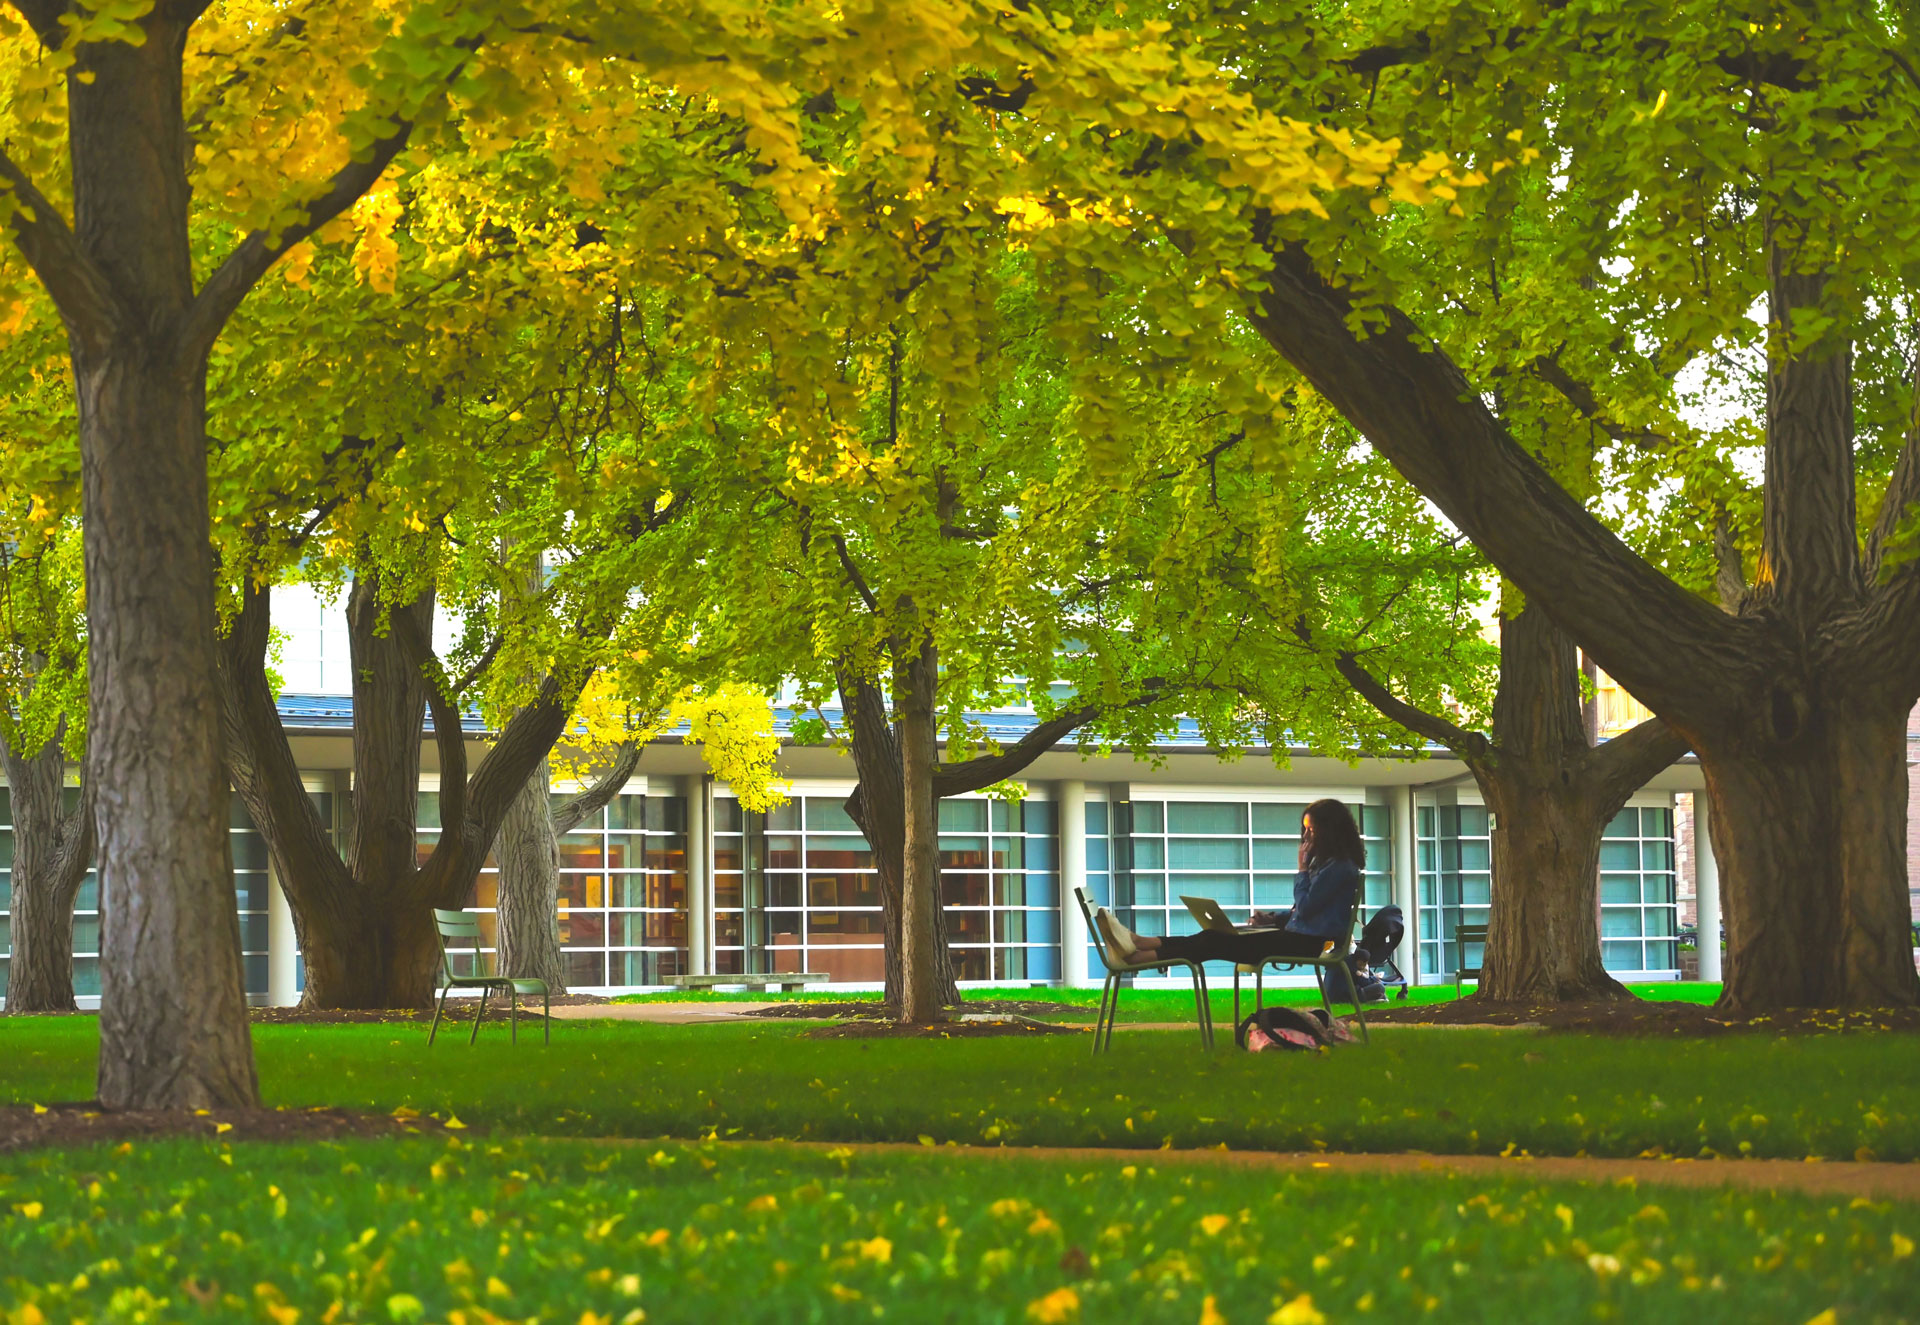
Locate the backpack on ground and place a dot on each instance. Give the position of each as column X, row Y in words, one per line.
column 1288, row 1028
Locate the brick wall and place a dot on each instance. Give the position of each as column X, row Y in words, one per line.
column 1913, row 813
column 1683, row 859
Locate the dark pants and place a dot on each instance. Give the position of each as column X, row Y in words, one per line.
column 1212, row 946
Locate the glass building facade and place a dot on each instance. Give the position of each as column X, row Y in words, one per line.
column 1144, row 855
column 797, row 889
column 1639, row 911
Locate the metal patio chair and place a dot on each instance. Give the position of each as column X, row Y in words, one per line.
column 1117, row 966
column 464, row 928
column 1462, row 936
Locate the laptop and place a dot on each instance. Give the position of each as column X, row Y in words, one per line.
column 1208, row 913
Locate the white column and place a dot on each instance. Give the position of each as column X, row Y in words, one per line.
column 699, row 875
column 1405, row 878
column 1073, row 874
column 1706, row 890
column 283, row 947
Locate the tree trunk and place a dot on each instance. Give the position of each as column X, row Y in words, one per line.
column 1811, row 835
column 173, row 1020
column 921, row 943
column 1543, row 929
column 365, row 922
column 528, row 851
column 1551, row 794
column 52, row 847
column 878, row 806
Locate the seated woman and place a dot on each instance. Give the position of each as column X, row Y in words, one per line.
column 1331, row 858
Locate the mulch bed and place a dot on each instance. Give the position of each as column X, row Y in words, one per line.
column 872, row 1028
column 458, row 1011
column 23, row 1127
column 873, row 1010
column 1637, row 1017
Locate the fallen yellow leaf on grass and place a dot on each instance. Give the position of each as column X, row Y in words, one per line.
column 763, row 1205
column 876, row 1249
column 1212, row 1225
column 1300, row 1311
column 1210, row 1313
column 1826, row 1317
column 1057, row 1307
column 453, row 1124
column 31, row 1209
column 1902, row 1246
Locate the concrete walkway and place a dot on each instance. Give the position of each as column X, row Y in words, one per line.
column 1874, row 1181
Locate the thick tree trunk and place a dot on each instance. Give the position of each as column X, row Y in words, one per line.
column 1543, row 929
column 173, row 1021
column 1810, row 832
column 878, row 806
column 922, row 948
column 52, row 847
column 529, row 898
column 365, row 922
column 1551, row 794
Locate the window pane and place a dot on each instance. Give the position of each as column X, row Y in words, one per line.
column 1206, row 817
column 1097, row 818
column 963, row 816
column 1149, row 817
column 727, row 817
column 1201, row 853
column 1041, row 818
column 829, row 814
column 1282, row 819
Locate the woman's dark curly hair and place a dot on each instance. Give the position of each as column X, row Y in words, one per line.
column 1335, row 836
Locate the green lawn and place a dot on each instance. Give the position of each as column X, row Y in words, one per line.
column 1442, row 1090
column 1145, row 1003
column 570, row 1231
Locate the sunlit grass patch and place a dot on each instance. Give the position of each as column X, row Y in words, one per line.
column 494, row 1230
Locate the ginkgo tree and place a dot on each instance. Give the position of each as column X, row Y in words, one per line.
column 610, row 731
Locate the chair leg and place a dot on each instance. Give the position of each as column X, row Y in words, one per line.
column 438, row 1008
column 1100, row 1020
column 1236, row 998
column 1360, row 1013
column 513, row 1015
column 479, row 1016
column 1206, row 1006
column 546, row 1013
column 1113, row 1015
column 1259, row 986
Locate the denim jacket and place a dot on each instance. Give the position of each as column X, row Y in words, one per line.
column 1323, row 900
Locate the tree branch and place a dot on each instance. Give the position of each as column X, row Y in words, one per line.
column 79, row 289
column 252, row 256
column 1418, row 410
column 1581, row 397
column 1626, row 762
column 973, row 774
column 1472, row 747
column 594, row 799
column 448, row 736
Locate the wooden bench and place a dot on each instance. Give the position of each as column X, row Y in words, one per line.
column 786, row 980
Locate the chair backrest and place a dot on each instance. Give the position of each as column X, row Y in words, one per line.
column 1093, row 931
column 1462, row 936
column 464, row 928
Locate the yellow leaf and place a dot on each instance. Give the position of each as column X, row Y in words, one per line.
column 1902, row 1246
column 1212, row 1225
column 453, row 1124
column 1300, row 1311
column 1057, row 1307
column 876, row 1249
column 1210, row 1312
column 31, row 1209
column 763, row 1205
column 495, row 1288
